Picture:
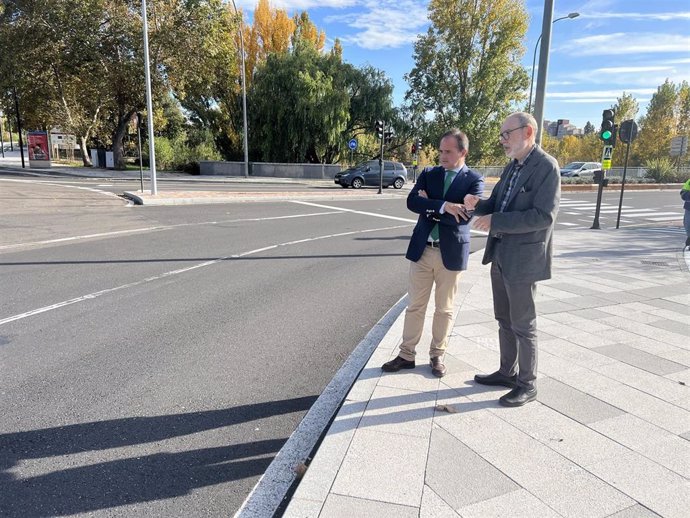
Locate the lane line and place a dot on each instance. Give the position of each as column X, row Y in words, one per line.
column 364, row 213
column 91, row 189
column 385, row 216
column 171, row 273
column 158, row 228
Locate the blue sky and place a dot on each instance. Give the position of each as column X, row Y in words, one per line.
column 614, row 46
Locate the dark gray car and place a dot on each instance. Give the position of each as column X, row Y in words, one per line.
column 367, row 173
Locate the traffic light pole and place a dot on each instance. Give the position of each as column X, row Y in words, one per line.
column 595, row 223
column 383, row 136
column 625, row 170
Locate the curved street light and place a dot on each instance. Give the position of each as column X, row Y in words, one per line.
column 534, row 59
column 244, row 98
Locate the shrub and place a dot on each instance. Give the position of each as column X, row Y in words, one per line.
column 662, row 170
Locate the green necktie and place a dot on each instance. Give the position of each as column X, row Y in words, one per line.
column 450, row 175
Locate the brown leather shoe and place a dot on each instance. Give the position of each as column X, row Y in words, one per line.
column 438, row 369
column 396, row 364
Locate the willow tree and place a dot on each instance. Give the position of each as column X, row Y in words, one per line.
column 467, row 69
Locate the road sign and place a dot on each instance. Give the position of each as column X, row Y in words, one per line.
column 679, row 146
column 352, row 144
column 606, row 157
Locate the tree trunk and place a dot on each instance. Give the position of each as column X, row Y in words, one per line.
column 118, row 140
column 84, row 152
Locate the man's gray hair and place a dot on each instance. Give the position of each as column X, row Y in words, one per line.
column 525, row 119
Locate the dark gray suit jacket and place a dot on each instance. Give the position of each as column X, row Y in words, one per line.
column 521, row 237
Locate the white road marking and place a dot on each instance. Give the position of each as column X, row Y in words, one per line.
column 567, row 224
column 385, row 216
column 91, row 189
column 364, row 213
column 156, row 229
column 204, row 264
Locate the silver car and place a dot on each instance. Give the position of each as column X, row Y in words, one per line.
column 579, row 169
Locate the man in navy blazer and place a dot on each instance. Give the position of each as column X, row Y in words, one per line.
column 439, row 249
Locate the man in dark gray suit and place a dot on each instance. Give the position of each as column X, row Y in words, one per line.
column 519, row 217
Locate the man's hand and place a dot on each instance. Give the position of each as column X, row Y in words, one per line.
column 471, row 201
column 482, row 222
column 457, row 210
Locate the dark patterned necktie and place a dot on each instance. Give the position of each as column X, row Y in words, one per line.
column 450, row 176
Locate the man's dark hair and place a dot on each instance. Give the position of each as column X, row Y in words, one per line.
column 460, row 138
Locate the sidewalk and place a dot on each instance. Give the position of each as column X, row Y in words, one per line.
column 607, row 437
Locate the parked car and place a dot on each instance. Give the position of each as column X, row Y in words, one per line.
column 576, row 169
column 367, row 173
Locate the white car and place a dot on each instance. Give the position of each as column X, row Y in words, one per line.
column 574, row 169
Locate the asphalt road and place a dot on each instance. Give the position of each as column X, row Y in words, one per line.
column 153, row 360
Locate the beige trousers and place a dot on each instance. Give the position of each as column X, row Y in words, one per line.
column 426, row 272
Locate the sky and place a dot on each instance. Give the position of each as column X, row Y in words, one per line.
column 612, row 47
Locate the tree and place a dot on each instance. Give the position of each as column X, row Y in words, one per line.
column 467, row 72
column 626, row 108
column 589, row 128
column 270, row 33
column 659, row 124
column 306, row 104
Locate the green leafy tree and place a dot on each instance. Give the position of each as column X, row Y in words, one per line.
column 589, row 128
column 306, row 105
column 655, row 138
column 467, row 72
column 626, row 108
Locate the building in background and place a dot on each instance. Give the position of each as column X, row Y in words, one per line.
column 561, row 128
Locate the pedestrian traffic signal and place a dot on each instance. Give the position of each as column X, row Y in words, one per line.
column 389, row 136
column 607, row 133
column 379, row 129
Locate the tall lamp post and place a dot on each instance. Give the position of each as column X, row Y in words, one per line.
column 2, row 137
column 534, row 59
column 244, row 99
column 149, row 103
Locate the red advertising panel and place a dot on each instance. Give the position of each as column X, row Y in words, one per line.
column 38, row 145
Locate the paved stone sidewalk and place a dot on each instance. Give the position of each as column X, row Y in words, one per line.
column 608, row 435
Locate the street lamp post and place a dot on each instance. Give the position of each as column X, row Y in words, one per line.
column 149, row 103
column 2, row 137
column 534, row 59
column 244, row 99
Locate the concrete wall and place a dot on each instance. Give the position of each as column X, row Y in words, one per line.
column 264, row 169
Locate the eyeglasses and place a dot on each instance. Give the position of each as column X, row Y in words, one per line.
column 506, row 134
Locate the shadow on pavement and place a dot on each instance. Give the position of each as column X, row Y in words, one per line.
column 137, row 479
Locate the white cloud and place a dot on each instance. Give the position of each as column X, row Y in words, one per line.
column 623, row 43
column 598, row 100
column 384, row 24
column 598, row 94
column 630, row 70
column 297, row 5
column 664, row 17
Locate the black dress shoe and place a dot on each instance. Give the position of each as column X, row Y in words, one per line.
column 496, row 379
column 438, row 369
column 396, row 364
column 518, row 396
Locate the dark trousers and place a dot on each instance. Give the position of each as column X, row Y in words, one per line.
column 516, row 314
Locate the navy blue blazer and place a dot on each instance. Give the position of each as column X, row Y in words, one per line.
column 454, row 236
